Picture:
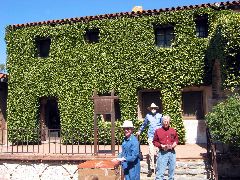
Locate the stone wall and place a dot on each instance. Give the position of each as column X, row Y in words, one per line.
column 16, row 170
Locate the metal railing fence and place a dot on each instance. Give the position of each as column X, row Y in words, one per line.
column 212, row 155
column 57, row 141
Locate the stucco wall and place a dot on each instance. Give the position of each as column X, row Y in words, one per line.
column 195, row 131
column 37, row 171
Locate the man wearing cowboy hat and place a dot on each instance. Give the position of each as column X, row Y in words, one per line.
column 129, row 158
column 154, row 120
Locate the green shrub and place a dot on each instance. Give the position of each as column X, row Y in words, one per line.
column 224, row 122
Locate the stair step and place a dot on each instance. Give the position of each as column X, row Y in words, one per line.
column 176, row 177
column 196, row 169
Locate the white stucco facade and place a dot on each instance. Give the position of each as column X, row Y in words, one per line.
column 195, row 131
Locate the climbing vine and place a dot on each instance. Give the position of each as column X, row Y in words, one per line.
column 125, row 59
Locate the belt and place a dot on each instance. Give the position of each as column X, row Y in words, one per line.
column 169, row 150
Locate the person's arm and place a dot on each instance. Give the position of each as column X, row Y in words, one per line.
column 175, row 140
column 144, row 124
column 156, row 141
column 134, row 151
column 161, row 119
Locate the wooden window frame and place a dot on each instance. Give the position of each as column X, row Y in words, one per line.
column 201, row 22
column 166, row 32
column 206, row 96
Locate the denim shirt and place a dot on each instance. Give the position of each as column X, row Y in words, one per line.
column 154, row 121
column 130, row 151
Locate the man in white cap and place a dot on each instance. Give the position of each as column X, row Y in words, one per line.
column 154, row 120
column 129, row 158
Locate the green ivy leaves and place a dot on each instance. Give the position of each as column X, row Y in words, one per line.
column 223, row 121
column 126, row 59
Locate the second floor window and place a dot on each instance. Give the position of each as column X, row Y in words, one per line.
column 43, row 47
column 92, row 36
column 233, row 65
column 201, row 22
column 164, row 35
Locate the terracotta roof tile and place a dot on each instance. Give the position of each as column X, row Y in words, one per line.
column 138, row 13
column 2, row 75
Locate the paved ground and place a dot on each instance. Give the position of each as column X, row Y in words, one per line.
column 187, row 151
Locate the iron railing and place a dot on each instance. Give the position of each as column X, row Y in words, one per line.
column 212, row 155
column 54, row 142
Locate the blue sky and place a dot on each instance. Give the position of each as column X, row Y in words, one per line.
column 23, row 11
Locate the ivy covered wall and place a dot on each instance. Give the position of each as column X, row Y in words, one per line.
column 125, row 59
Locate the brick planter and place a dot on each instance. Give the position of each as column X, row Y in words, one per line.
column 98, row 170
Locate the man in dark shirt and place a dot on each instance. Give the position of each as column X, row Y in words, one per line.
column 166, row 139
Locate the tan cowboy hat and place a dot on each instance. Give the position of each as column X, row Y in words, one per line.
column 153, row 106
column 127, row 124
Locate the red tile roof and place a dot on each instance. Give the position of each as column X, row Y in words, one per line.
column 3, row 75
column 227, row 4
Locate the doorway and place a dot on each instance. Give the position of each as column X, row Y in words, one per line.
column 145, row 98
column 49, row 118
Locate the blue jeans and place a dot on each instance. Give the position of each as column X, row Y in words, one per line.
column 164, row 159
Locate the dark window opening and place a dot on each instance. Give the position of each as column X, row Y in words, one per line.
column 164, row 35
column 92, row 35
column 149, row 97
column 233, row 65
column 192, row 104
column 201, row 22
column 43, row 47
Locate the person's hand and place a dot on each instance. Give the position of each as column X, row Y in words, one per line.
column 138, row 133
column 164, row 147
column 116, row 162
column 174, row 145
column 169, row 147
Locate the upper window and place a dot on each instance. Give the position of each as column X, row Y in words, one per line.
column 233, row 65
column 192, row 104
column 43, row 47
column 92, row 35
column 201, row 22
column 164, row 35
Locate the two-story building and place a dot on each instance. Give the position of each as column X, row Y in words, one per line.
column 181, row 58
